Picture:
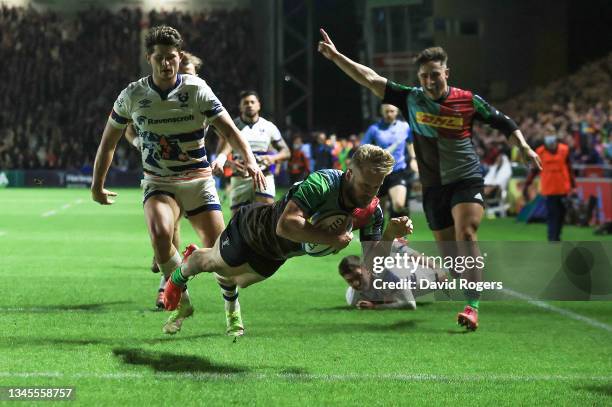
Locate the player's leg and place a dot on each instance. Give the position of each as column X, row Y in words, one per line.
column 161, row 211
column 467, row 213
column 176, row 242
column 228, row 277
column 397, row 195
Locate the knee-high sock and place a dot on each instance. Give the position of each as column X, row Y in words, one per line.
column 230, row 295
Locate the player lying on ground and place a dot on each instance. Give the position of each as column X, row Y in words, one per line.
column 260, row 238
column 170, row 112
column 441, row 117
column 190, row 64
column 366, row 293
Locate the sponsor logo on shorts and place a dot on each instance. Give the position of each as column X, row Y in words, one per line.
column 208, row 197
column 444, row 122
column 478, row 196
column 226, row 242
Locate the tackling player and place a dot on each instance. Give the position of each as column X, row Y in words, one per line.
column 441, row 118
column 170, row 112
column 261, row 134
column 364, row 293
column 260, row 238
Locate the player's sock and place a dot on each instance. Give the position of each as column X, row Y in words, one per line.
column 178, row 278
column 162, row 282
column 171, row 265
column 472, row 297
column 230, row 295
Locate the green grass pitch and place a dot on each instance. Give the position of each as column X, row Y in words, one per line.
column 77, row 310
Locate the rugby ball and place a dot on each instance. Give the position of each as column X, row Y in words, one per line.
column 330, row 221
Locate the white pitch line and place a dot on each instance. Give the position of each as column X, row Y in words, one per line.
column 403, row 377
column 63, row 208
column 561, row 311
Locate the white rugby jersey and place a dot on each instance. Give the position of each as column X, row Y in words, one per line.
column 170, row 124
column 259, row 135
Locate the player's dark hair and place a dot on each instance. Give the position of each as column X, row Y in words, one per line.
column 348, row 264
column 246, row 93
column 189, row 58
column 431, row 54
column 163, row 35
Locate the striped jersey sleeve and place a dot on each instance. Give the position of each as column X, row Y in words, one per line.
column 120, row 115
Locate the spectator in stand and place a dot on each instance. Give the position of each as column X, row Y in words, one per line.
column 321, row 152
column 299, row 165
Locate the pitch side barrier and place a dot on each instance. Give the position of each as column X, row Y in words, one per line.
column 513, row 270
column 65, row 179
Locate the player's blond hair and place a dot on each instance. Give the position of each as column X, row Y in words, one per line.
column 374, row 158
column 189, row 58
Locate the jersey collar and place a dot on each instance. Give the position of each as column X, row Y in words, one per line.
column 163, row 94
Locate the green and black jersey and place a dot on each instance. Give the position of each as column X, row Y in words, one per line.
column 318, row 195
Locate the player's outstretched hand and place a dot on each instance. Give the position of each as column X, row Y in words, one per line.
column 101, row 196
column 326, row 46
column 364, row 304
column 400, row 227
column 528, row 155
column 218, row 164
column 259, row 180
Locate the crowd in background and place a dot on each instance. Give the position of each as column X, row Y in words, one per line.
column 577, row 109
column 65, row 72
column 62, row 75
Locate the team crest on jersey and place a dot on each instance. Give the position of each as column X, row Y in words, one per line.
column 183, row 97
column 144, row 103
column 140, row 120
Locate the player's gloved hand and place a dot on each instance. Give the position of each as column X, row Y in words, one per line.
column 364, row 304
column 101, row 196
column 399, row 227
column 326, row 46
column 218, row 164
column 528, row 155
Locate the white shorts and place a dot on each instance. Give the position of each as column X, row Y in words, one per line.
column 194, row 196
column 243, row 192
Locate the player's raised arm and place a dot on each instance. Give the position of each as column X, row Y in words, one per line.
column 361, row 74
column 104, row 158
column 527, row 153
column 228, row 130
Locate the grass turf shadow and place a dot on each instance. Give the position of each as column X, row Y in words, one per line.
column 11, row 341
column 92, row 307
column 603, row 389
column 170, row 362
